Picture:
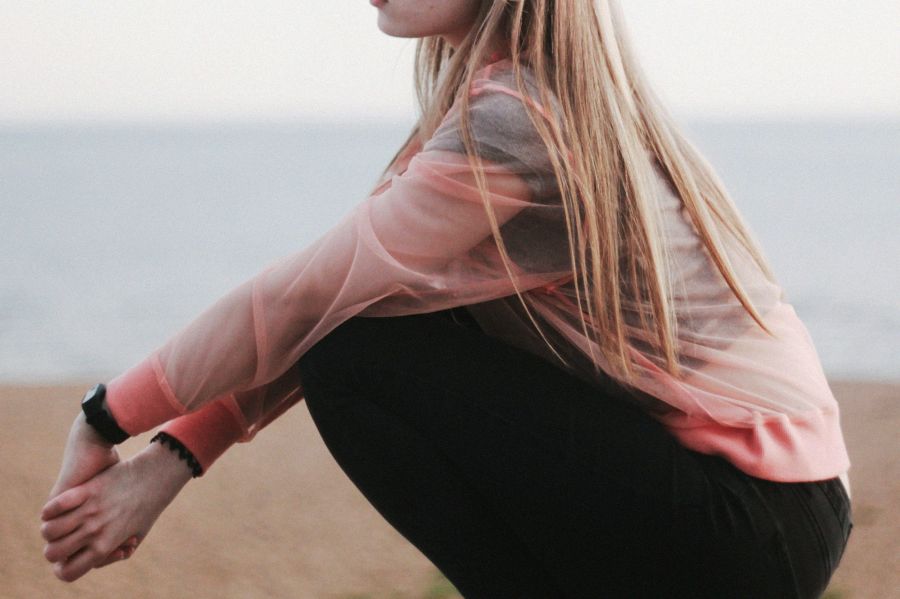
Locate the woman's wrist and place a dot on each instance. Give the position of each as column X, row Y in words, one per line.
column 185, row 454
column 166, row 466
column 88, row 432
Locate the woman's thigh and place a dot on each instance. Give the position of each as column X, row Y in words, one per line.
column 607, row 501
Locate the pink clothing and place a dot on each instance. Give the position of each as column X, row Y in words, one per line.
column 422, row 242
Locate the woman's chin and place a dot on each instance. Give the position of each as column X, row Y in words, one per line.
column 394, row 31
column 391, row 27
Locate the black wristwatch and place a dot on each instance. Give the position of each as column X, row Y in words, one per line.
column 97, row 415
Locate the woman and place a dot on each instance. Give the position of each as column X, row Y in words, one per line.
column 546, row 347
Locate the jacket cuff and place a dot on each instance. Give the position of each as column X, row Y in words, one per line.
column 139, row 401
column 206, row 433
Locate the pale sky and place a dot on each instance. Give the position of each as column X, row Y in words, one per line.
column 325, row 59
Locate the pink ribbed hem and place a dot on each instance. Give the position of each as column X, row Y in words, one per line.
column 208, row 432
column 138, row 401
column 781, row 449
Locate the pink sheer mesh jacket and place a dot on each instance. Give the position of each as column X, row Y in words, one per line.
column 422, row 242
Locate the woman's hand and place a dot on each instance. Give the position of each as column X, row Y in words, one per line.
column 87, row 454
column 104, row 519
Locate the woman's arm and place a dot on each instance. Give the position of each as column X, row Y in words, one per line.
column 423, row 244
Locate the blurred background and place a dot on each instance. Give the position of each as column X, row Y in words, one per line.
column 155, row 154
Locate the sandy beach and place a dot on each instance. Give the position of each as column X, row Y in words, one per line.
column 278, row 518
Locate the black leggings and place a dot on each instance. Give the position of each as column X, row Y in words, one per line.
column 517, row 479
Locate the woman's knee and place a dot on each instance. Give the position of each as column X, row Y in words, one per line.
column 338, row 355
column 331, row 350
column 359, row 350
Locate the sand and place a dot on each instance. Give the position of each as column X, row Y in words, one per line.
column 278, row 518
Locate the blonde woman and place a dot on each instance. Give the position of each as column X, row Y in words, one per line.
column 545, row 347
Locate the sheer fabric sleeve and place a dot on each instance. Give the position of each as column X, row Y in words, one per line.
column 219, row 424
column 420, row 244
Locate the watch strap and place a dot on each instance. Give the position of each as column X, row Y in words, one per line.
column 98, row 415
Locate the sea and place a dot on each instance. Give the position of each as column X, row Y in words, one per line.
column 113, row 236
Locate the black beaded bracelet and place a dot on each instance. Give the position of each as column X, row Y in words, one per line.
column 183, row 452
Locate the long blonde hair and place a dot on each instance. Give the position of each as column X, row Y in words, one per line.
column 579, row 52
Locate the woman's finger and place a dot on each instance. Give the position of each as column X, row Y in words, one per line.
column 77, row 565
column 124, row 551
column 64, row 548
column 64, row 524
column 116, row 556
column 64, row 502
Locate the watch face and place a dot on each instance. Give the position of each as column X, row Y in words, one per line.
column 90, row 393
